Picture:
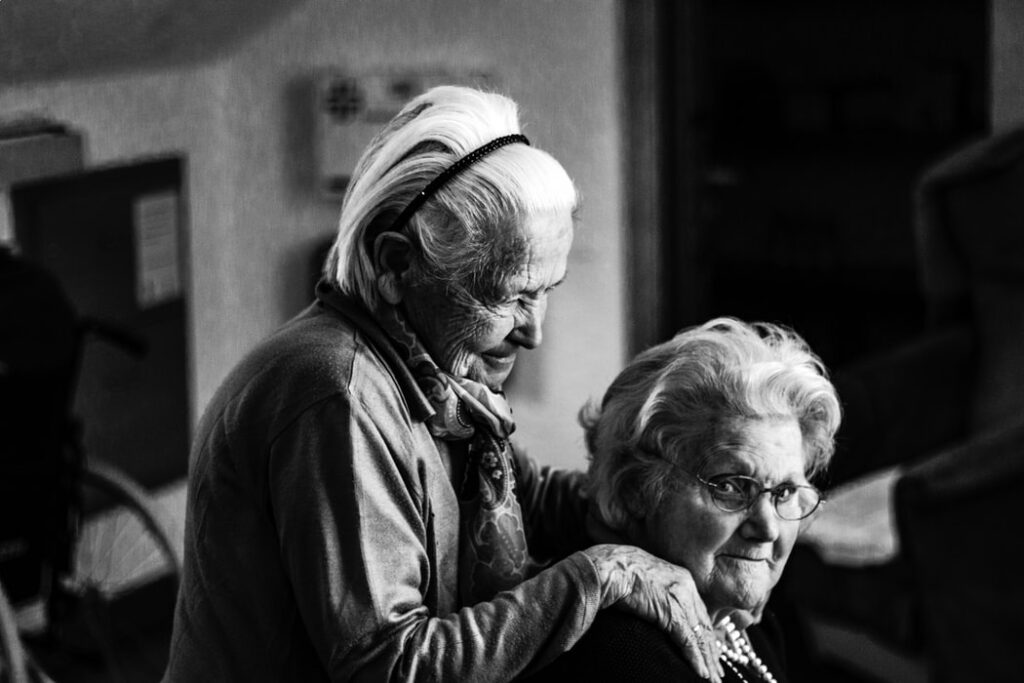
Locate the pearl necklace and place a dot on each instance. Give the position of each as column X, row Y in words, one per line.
column 740, row 652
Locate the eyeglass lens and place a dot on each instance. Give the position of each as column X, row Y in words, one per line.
column 735, row 492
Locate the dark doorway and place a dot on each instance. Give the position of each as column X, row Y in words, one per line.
column 792, row 134
column 113, row 238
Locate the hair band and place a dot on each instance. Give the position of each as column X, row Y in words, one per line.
column 450, row 172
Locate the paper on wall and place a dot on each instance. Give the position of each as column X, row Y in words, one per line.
column 157, row 257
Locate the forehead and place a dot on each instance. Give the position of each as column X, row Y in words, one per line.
column 771, row 449
column 548, row 237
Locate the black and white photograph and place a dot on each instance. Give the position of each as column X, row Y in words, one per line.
column 511, row 340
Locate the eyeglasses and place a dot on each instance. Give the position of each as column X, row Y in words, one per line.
column 735, row 492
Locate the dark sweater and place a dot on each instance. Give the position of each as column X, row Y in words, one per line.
column 621, row 647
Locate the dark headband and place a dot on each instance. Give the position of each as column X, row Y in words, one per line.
column 450, row 172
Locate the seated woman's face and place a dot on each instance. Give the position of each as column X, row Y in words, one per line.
column 735, row 557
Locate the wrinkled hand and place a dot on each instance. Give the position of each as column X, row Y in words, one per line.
column 662, row 593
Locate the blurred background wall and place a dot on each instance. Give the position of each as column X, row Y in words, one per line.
column 243, row 119
column 238, row 107
column 1007, row 63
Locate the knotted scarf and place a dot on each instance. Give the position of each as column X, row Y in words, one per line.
column 492, row 551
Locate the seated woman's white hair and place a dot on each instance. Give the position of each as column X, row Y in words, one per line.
column 668, row 409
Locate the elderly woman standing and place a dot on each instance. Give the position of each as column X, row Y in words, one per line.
column 355, row 509
column 702, row 452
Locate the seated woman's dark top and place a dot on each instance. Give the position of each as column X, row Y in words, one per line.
column 621, row 647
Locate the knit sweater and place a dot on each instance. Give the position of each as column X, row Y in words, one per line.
column 322, row 528
column 623, row 648
column 620, row 647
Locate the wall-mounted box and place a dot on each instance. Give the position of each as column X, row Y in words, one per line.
column 352, row 108
column 37, row 149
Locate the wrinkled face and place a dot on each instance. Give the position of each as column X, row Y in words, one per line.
column 469, row 338
column 735, row 558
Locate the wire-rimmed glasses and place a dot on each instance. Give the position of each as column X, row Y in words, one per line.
column 735, row 492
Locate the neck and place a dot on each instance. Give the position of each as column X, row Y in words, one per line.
column 741, row 619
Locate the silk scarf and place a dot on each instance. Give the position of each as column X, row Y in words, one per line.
column 493, row 554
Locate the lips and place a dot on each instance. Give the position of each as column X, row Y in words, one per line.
column 499, row 361
column 745, row 558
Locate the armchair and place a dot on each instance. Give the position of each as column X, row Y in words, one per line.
column 920, row 552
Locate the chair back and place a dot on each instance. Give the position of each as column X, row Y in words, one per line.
column 970, row 239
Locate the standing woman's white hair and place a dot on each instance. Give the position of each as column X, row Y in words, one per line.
column 467, row 230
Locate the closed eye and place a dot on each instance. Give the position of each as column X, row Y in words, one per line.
column 536, row 293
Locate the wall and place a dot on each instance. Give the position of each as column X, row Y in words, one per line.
column 1007, row 63
column 244, row 126
column 557, row 59
column 144, row 115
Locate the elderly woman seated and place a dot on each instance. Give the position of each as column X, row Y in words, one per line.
column 702, row 452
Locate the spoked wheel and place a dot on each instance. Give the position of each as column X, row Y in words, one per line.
column 124, row 576
column 12, row 654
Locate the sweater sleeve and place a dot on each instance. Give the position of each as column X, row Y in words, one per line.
column 554, row 508
column 352, row 523
column 620, row 647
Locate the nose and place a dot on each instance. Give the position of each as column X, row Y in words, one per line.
column 762, row 522
column 528, row 332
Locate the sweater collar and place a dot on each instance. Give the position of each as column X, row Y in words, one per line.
column 355, row 312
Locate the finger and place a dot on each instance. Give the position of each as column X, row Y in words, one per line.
column 695, row 619
column 717, row 651
column 716, row 662
column 713, row 651
column 709, row 640
column 690, row 639
column 708, row 648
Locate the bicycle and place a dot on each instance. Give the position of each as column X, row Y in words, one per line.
column 104, row 522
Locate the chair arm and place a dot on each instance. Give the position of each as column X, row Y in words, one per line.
column 905, row 403
column 958, row 518
column 986, row 463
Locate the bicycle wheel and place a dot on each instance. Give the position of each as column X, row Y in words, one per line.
column 12, row 654
column 124, row 576
column 126, row 540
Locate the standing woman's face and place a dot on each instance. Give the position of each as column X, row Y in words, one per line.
column 480, row 341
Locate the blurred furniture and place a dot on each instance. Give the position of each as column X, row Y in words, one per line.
column 88, row 561
column 919, row 553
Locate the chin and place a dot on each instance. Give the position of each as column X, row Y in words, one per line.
column 493, row 382
column 485, row 378
column 489, row 377
column 740, row 596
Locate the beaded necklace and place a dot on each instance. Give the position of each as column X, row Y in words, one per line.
column 739, row 652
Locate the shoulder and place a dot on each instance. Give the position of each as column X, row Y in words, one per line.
column 621, row 647
column 316, row 359
column 768, row 642
column 314, row 356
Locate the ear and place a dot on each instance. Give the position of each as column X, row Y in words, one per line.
column 392, row 254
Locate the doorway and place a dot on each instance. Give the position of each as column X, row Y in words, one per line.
column 789, row 140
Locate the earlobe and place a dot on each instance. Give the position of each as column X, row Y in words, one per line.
column 392, row 254
column 637, row 512
column 387, row 287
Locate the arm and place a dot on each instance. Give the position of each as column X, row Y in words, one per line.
column 353, row 525
column 558, row 516
column 554, row 508
column 620, row 647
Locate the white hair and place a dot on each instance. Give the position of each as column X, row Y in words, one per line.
column 468, row 231
column 675, row 403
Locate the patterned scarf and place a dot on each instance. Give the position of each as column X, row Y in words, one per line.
column 492, row 551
